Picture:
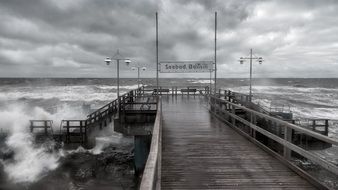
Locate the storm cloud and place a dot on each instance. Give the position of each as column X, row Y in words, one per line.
column 62, row 38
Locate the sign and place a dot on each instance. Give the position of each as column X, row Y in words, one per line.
column 186, row 67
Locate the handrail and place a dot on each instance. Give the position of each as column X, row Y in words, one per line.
column 111, row 104
column 152, row 171
column 286, row 141
column 284, row 123
column 44, row 124
column 174, row 89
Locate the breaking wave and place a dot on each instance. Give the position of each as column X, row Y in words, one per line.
column 29, row 161
column 83, row 93
column 200, row 81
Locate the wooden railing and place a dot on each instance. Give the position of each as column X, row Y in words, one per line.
column 226, row 111
column 151, row 178
column 113, row 107
column 102, row 112
column 234, row 97
column 74, row 129
column 176, row 90
column 317, row 125
column 41, row 126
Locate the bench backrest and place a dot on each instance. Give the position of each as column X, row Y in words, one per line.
column 189, row 90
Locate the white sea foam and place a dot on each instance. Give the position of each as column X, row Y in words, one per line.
column 102, row 142
column 305, row 102
column 84, row 93
column 200, row 81
column 30, row 161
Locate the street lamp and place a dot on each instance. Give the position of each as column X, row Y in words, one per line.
column 138, row 73
column 241, row 61
column 117, row 57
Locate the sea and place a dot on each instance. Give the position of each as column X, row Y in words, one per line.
column 24, row 99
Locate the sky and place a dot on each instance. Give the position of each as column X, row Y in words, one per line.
column 71, row 38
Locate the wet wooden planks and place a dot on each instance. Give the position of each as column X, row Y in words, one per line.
column 200, row 152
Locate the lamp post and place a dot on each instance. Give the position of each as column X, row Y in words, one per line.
column 138, row 73
column 259, row 59
column 118, row 58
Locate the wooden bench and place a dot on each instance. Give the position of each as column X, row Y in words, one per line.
column 188, row 91
column 161, row 90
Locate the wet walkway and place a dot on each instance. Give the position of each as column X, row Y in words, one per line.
column 200, row 152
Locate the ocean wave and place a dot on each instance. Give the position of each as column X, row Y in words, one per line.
column 108, row 87
column 64, row 93
column 304, row 103
column 30, row 161
column 200, row 81
column 323, row 99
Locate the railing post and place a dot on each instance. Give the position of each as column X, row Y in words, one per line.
column 45, row 122
column 229, row 94
column 82, row 140
column 85, row 133
column 314, row 125
column 287, row 137
column 234, row 113
column 253, row 121
column 326, row 127
column 68, row 135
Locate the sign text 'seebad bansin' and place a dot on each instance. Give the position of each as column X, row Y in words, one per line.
column 185, row 67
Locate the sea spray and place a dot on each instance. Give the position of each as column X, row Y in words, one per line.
column 101, row 143
column 30, row 161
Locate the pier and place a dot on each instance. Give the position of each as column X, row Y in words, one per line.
column 219, row 141
column 189, row 138
column 200, row 152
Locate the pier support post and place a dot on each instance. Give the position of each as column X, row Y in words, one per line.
column 141, row 151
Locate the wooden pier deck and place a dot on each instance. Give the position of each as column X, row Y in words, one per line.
column 200, row 152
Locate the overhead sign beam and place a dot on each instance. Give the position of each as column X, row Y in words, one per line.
column 186, row 67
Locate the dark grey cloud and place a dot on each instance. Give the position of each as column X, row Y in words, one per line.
column 57, row 38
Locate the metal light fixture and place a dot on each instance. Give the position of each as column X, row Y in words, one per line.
column 260, row 60
column 117, row 57
column 137, row 67
column 127, row 61
column 107, row 60
column 241, row 61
